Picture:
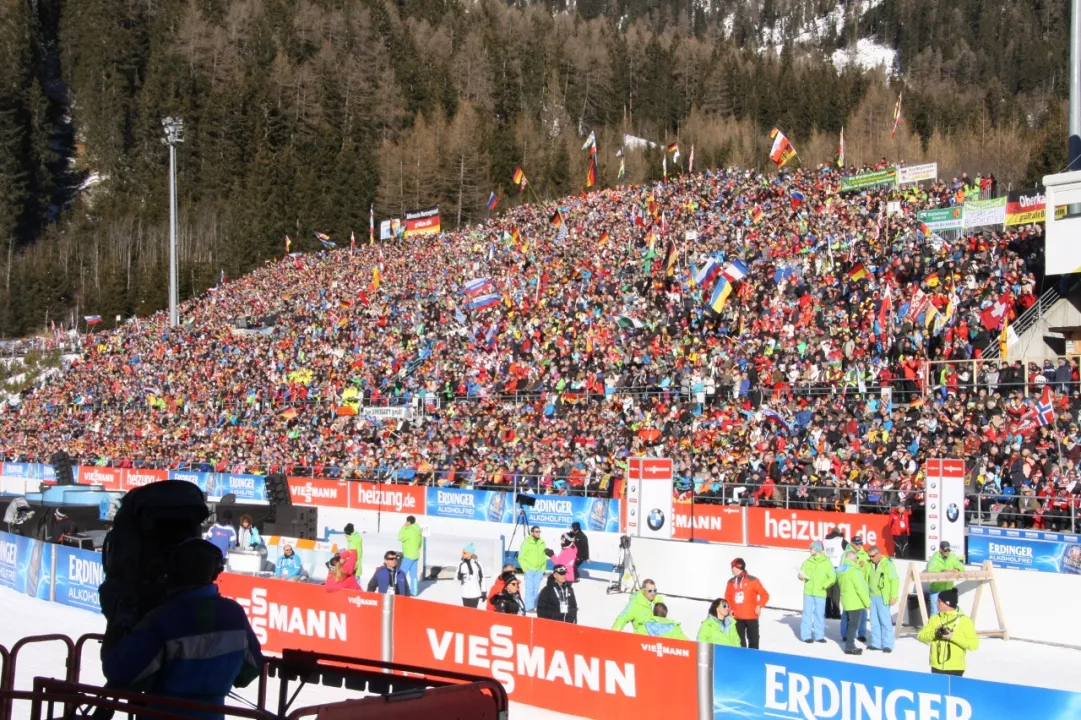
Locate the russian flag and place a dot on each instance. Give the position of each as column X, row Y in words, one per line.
column 92, row 319
column 492, row 201
column 736, row 270
column 797, row 198
column 485, row 301
column 708, row 273
column 770, row 414
column 476, row 287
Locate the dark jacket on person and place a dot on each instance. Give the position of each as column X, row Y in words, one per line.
column 509, row 603
column 197, row 645
column 550, row 597
column 582, row 543
column 383, row 577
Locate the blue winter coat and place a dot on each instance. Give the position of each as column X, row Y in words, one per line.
column 223, row 536
column 197, row 645
column 381, row 581
column 288, row 566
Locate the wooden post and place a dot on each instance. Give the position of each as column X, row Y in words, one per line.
column 914, row 580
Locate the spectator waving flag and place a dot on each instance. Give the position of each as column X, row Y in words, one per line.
column 493, row 200
column 485, row 301
column 720, row 295
column 896, row 116
column 736, row 270
column 782, row 150
column 325, row 239
column 92, row 319
column 708, row 273
column 1045, row 408
column 520, row 178
column 591, row 142
column 772, row 415
column 474, row 288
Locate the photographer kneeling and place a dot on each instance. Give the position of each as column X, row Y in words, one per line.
column 196, row 645
column 950, row 634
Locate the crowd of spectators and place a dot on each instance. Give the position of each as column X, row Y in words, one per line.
column 596, row 348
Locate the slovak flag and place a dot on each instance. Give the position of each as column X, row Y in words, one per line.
column 476, row 287
column 485, row 301
column 736, row 270
column 709, row 271
column 1045, row 409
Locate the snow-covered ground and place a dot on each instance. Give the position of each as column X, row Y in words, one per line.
column 866, row 56
column 997, row 660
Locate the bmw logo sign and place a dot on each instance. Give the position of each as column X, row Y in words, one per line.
column 952, row 512
column 655, row 521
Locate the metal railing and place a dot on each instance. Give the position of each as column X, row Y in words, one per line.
column 1026, row 320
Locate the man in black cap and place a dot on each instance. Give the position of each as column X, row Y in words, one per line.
column 942, row 561
column 951, row 634
column 582, row 543
column 556, row 601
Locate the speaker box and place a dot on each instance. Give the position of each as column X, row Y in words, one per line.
column 293, row 521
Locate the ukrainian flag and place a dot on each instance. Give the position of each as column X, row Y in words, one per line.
column 720, row 295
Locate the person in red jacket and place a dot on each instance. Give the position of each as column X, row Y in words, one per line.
column 899, row 529
column 340, row 571
column 498, row 586
column 746, row 597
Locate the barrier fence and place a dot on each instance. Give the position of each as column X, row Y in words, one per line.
column 565, row 668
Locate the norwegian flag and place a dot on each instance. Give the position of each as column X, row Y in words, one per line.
column 1045, row 410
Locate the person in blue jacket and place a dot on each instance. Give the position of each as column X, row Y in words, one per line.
column 389, row 577
column 196, row 645
column 289, row 565
column 222, row 533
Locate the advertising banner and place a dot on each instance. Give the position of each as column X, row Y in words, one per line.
column 1025, row 207
column 869, row 179
column 950, row 218
column 944, row 508
column 396, row 413
column 28, row 471
column 484, row 505
column 917, row 173
column 797, row 529
column 767, row 686
column 319, row 491
column 422, row 222
column 247, row 488
column 79, row 573
column 708, row 523
column 649, row 496
column 24, row 565
column 199, row 479
column 133, row 478
column 558, row 511
column 561, row 667
column 388, row 497
column 1025, row 549
column 303, row 616
column 107, row 477
column 384, row 229
column 979, row 213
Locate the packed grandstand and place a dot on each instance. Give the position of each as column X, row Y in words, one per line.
column 544, row 347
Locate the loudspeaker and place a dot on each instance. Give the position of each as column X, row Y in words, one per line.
column 292, row 521
column 525, row 500
column 277, row 489
column 63, row 468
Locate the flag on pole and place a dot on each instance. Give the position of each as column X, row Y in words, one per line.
column 1045, row 408
column 664, row 166
column 92, row 319
column 604, row 238
column 1004, row 338
column 591, row 142
column 371, row 224
column 782, row 150
column 720, row 295
column 673, row 148
column 520, row 179
column 841, row 149
column 221, row 279
column 352, row 241
column 622, row 169
column 324, row 239
column 377, row 278
column 670, row 257
column 690, row 161
column 591, row 174
column 493, row 200
column 288, row 244
column 858, row 272
column 896, row 115
column 556, row 219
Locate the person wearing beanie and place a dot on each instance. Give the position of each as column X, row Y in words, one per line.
column 884, row 592
column 855, row 598
column 411, row 538
column 943, row 560
column 817, row 575
column 566, row 556
column 863, row 561
column 471, row 577
column 746, row 596
column 951, row 635
column 354, row 541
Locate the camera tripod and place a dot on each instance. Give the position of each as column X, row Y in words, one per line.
column 624, row 573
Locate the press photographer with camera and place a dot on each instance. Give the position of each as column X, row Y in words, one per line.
column 951, row 635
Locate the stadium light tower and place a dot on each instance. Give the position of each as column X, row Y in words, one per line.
column 174, row 134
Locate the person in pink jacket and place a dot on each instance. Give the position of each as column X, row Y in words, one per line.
column 567, row 555
column 340, row 571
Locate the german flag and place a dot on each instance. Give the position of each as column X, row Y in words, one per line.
column 673, row 147
column 858, row 272
column 557, row 218
column 757, row 214
column 516, row 237
column 520, row 179
column 591, row 176
column 604, row 238
column 670, row 257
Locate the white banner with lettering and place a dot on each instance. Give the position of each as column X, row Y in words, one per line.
column 944, row 509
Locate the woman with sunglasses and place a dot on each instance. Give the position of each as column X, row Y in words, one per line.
column 719, row 627
column 509, row 601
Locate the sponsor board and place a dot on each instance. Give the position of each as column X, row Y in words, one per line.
column 1025, row 207
column 558, row 511
column 797, row 529
column 564, row 668
column 422, row 222
column 708, row 523
column 1025, row 549
column 948, row 218
column 200, row 480
column 771, row 686
column 246, row 488
column 917, row 173
column 944, row 504
column 649, row 497
column 132, row 478
column 79, row 573
column 396, row 412
column 31, row 471
column 869, row 179
column 979, row 213
column 387, row 497
column 107, row 477
column 319, row 491
column 384, row 229
column 304, row 616
column 484, row 505
column 24, row 565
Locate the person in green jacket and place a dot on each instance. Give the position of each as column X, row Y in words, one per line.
column 950, row 634
column 943, row 560
column 639, row 610
column 818, row 576
column 660, row 626
column 412, row 539
column 534, row 561
column 863, row 560
column 884, row 589
column 719, row 627
column 855, row 598
column 353, row 541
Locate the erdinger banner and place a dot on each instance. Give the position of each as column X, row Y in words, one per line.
column 1025, row 549
column 797, row 529
column 303, row 616
column 79, row 573
column 485, row 505
column 564, row 668
column 708, row 523
column 24, row 565
column 246, row 488
column 762, row 685
column 422, row 222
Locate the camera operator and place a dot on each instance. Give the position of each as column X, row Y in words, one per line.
column 196, row 645
column 951, row 635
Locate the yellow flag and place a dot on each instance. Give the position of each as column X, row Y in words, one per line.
column 1004, row 339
